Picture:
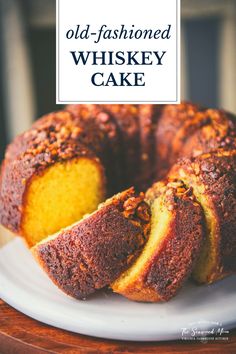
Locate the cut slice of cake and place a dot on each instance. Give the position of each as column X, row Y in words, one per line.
column 177, row 230
column 213, row 180
column 92, row 253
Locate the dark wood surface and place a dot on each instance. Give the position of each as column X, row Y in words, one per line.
column 20, row 334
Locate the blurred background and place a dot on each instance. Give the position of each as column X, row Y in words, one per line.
column 28, row 59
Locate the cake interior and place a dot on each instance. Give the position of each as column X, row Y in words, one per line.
column 61, row 195
column 160, row 222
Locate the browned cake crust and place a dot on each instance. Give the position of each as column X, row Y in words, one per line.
column 171, row 260
column 171, row 120
column 148, row 117
column 210, row 130
column 81, row 128
column 187, row 130
column 126, row 117
column 215, row 176
column 56, row 128
column 104, row 121
column 49, row 141
column 92, row 253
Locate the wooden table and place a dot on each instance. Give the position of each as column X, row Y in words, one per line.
column 20, row 334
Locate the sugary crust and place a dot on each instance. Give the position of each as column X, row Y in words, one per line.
column 169, row 265
column 215, row 176
column 210, row 130
column 92, row 253
column 82, row 128
column 52, row 130
column 187, row 130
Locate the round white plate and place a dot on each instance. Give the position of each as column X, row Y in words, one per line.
column 24, row 286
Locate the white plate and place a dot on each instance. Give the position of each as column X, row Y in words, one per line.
column 25, row 287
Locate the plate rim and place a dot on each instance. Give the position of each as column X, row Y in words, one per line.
column 85, row 328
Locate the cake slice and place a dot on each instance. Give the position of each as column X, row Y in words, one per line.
column 92, row 253
column 213, row 180
column 177, row 231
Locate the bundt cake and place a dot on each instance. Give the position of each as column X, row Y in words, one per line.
column 177, row 231
column 93, row 252
column 213, row 180
column 70, row 161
